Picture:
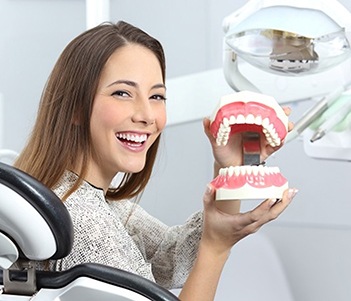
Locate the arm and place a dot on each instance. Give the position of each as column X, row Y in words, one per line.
column 171, row 251
column 221, row 231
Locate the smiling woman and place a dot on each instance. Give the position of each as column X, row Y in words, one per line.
column 129, row 105
column 101, row 114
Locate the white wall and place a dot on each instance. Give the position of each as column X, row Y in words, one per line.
column 313, row 236
column 32, row 36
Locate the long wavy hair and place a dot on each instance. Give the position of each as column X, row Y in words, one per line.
column 56, row 140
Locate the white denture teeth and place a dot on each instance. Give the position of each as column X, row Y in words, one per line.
column 258, row 120
column 241, row 119
column 248, row 170
column 226, row 122
column 250, row 119
column 230, row 171
column 267, row 128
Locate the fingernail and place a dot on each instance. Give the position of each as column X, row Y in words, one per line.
column 292, row 192
column 209, row 189
column 272, row 202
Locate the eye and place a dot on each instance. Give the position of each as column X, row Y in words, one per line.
column 158, row 97
column 121, row 93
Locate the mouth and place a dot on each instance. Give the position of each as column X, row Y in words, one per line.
column 247, row 111
column 132, row 140
column 249, row 182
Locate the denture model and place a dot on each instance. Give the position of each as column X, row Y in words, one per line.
column 251, row 114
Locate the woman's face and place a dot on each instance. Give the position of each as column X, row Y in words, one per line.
column 128, row 113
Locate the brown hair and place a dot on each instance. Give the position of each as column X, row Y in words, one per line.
column 56, row 140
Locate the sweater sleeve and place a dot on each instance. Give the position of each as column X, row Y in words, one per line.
column 170, row 250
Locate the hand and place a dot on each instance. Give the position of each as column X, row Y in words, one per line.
column 231, row 154
column 222, row 231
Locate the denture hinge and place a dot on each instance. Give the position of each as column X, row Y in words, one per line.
column 251, row 148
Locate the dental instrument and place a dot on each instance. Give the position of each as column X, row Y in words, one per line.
column 312, row 114
column 328, row 125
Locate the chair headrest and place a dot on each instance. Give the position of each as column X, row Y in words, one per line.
column 33, row 217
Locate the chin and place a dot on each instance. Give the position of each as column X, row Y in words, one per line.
column 134, row 169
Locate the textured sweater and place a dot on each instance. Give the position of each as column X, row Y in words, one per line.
column 123, row 235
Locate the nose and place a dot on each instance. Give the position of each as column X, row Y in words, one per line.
column 144, row 112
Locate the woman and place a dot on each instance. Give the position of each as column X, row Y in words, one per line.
column 101, row 114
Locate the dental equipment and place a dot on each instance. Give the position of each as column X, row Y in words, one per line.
column 293, row 50
column 288, row 38
column 36, row 226
column 313, row 113
column 1, row 119
column 8, row 156
column 333, row 121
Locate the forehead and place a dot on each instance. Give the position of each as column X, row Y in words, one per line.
column 132, row 58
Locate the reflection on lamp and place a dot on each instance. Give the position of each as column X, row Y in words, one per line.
column 290, row 38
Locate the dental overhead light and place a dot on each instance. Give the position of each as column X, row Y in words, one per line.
column 286, row 38
column 296, row 50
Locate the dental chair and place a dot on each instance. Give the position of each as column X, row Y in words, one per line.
column 35, row 226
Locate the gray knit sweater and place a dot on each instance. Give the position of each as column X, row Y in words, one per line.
column 121, row 234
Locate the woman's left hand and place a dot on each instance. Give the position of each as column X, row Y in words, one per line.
column 222, row 230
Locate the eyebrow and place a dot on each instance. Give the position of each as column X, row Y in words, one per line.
column 134, row 84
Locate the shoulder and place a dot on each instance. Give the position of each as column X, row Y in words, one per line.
column 85, row 198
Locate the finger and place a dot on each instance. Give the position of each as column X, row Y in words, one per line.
column 287, row 110
column 268, row 210
column 280, row 206
column 290, row 126
column 206, row 125
column 254, row 217
column 209, row 196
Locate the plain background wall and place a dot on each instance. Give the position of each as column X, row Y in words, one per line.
column 313, row 236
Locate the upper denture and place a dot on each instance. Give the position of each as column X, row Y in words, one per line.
column 249, row 111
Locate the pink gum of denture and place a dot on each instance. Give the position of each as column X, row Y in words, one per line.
column 249, row 184
column 247, row 103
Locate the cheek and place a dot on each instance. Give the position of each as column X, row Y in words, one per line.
column 161, row 118
column 104, row 116
column 109, row 118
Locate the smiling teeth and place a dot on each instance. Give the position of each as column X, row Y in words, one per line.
column 268, row 128
column 132, row 137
